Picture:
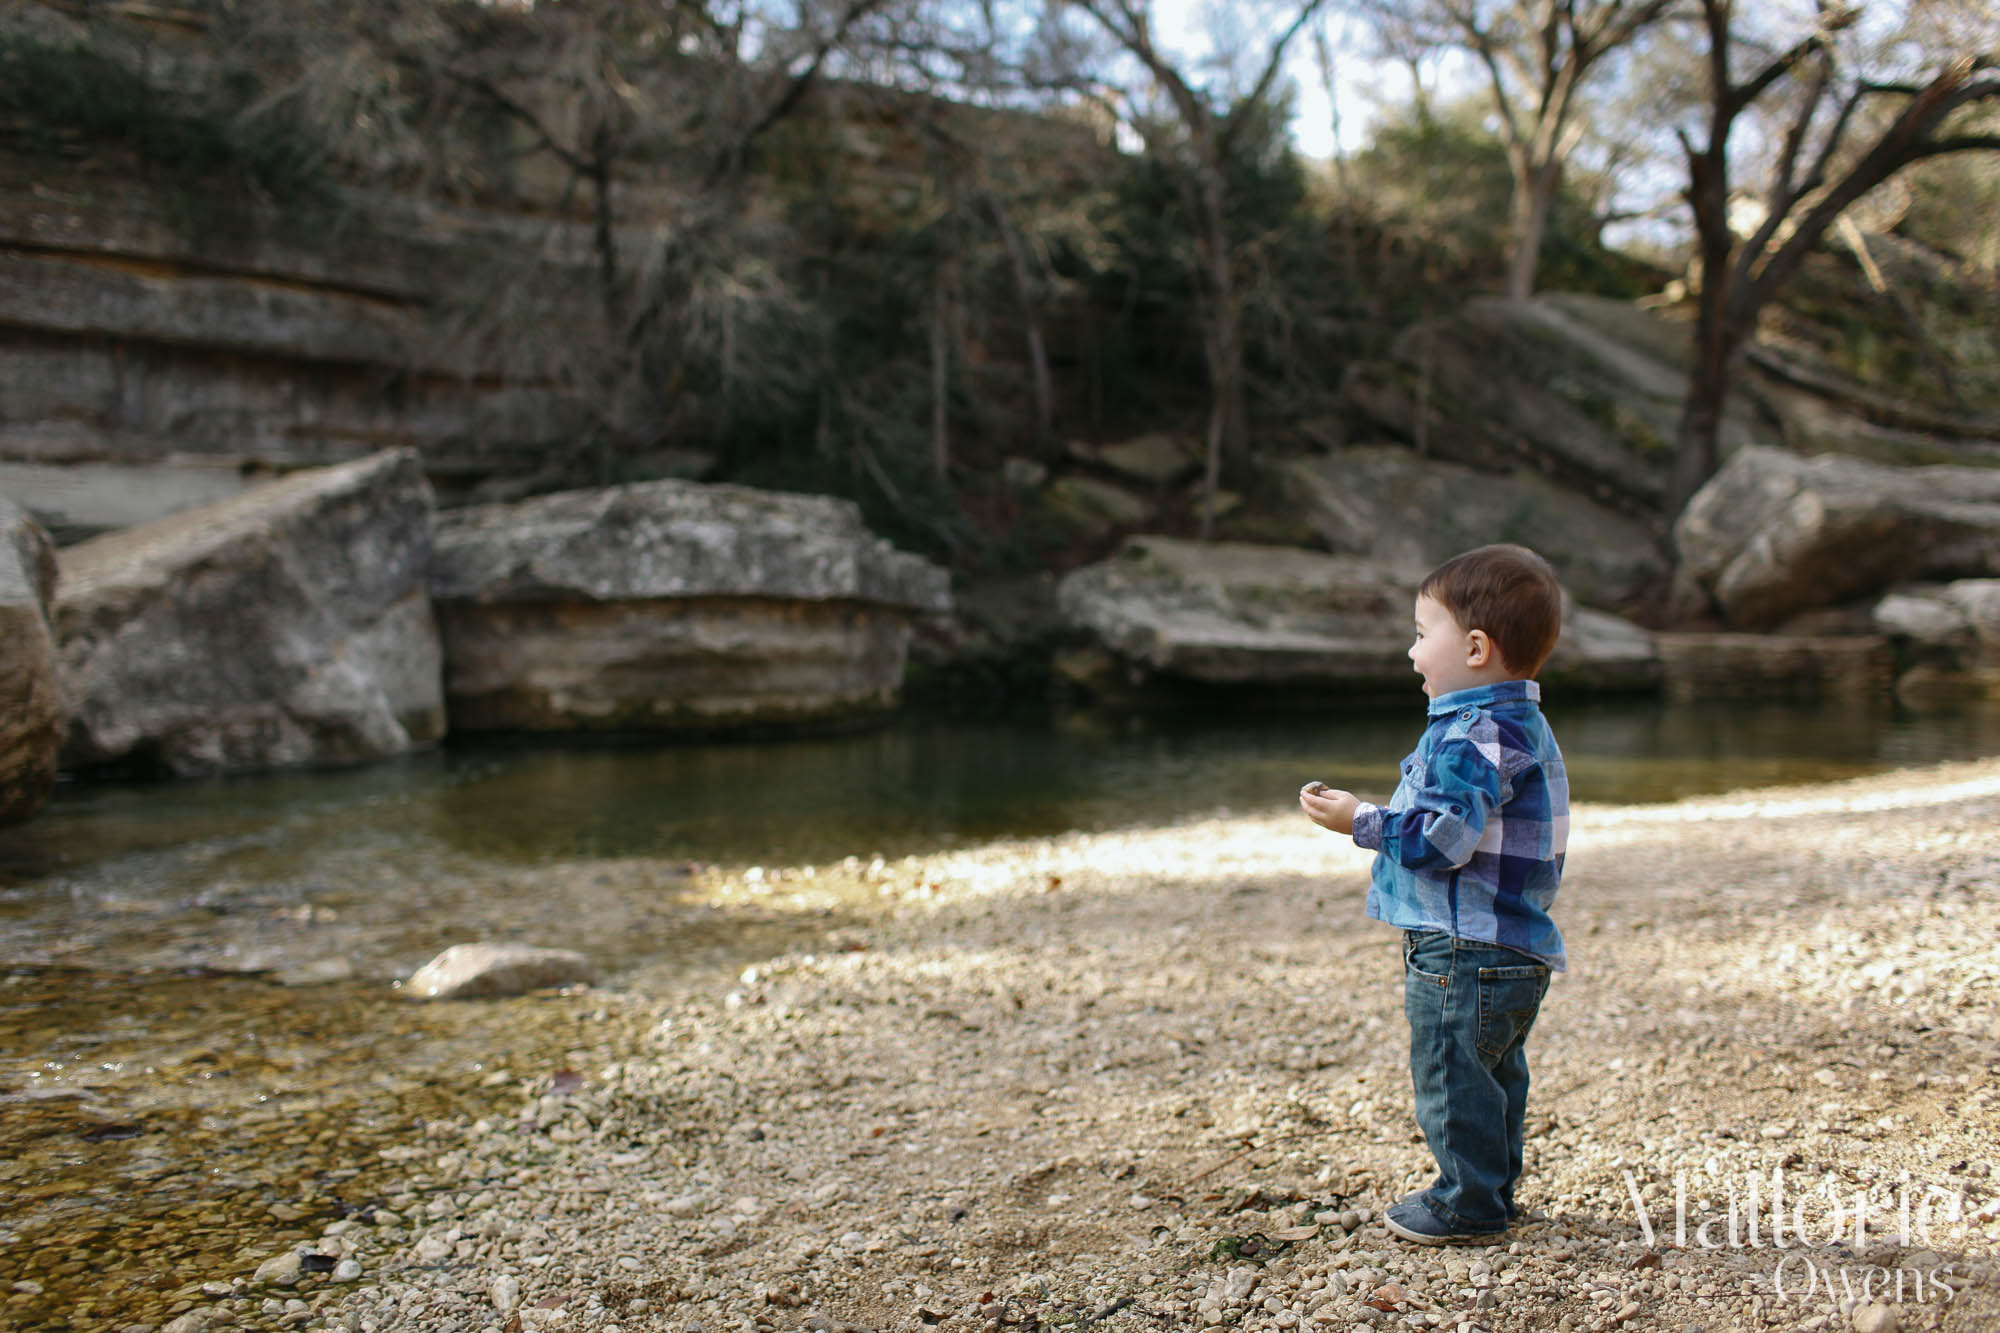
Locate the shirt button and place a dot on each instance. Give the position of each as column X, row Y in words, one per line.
column 1466, row 715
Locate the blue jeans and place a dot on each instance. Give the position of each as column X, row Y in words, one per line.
column 1470, row 1007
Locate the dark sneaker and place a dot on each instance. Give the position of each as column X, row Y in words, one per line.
column 1413, row 1220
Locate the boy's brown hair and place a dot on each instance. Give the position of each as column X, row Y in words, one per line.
column 1508, row 591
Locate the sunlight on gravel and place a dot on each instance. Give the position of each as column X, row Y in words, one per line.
column 1156, row 1079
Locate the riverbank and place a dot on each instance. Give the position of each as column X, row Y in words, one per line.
column 1084, row 1079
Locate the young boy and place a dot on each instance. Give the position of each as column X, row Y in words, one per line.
column 1469, row 853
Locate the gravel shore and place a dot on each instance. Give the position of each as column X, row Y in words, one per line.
column 1157, row 1080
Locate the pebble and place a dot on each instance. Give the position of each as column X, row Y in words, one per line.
column 280, row 1270
column 831, row 1184
column 1874, row 1319
column 347, row 1270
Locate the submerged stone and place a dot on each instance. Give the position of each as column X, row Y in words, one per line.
column 484, row 971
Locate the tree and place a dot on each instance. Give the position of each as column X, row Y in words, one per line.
column 1839, row 134
column 1537, row 56
column 586, row 100
column 1198, row 135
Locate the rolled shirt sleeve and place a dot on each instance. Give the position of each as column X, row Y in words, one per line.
column 1368, row 826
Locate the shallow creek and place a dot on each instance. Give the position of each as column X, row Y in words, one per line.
column 202, row 1052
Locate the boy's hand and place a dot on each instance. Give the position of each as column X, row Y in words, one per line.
column 1329, row 807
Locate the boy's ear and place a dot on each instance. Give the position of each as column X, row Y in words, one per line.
column 1479, row 649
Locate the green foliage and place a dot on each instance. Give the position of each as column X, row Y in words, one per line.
column 1435, row 192
column 1284, row 272
column 67, row 100
column 1953, row 201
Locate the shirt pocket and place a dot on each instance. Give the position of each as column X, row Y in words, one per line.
column 1415, row 773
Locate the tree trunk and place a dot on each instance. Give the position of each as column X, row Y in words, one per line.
column 605, row 241
column 1534, row 193
column 1720, row 334
column 1212, row 471
column 1717, row 329
column 1695, row 444
column 1024, row 292
column 941, row 380
column 1222, row 334
column 1225, row 315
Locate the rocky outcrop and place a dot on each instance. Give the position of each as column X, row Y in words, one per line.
column 134, row 335
column 1387, row 504
column 1795, row 667
column 993, row 648
column 30, row 706
column 1156, row 462
column 287, row 626
column 487, row 971
column 1584, row 389
column 1961, row 617
column 671, row 606
column 1946, row 637
column 1600, row 653
column 1163, row 614
column 1773, row 534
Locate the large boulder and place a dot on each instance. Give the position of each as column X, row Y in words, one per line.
column 30, row 705
column 1165, row 614
column 673, row 606
column 1387, row 504
column 1772, row 534
column 1584, row 389
column 287, row 626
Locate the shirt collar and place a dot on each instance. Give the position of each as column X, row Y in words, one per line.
column 1482, row 696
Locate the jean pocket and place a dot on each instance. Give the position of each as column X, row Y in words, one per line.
column 1509, row 999
column 1414, row 940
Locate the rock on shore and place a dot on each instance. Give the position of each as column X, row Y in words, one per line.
column 673, row 606
column 287, row 626
column 30, row 706
column 1166, row 614
column 474, row 971
column 1773, row 534
column 1389, row 505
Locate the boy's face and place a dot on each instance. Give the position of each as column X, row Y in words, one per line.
column 1447, row 655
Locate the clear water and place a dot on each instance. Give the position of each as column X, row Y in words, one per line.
column 920, row 784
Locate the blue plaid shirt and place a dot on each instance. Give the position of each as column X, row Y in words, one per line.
column 1472, row 841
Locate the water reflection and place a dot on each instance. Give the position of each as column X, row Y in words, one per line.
column 920, row 784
